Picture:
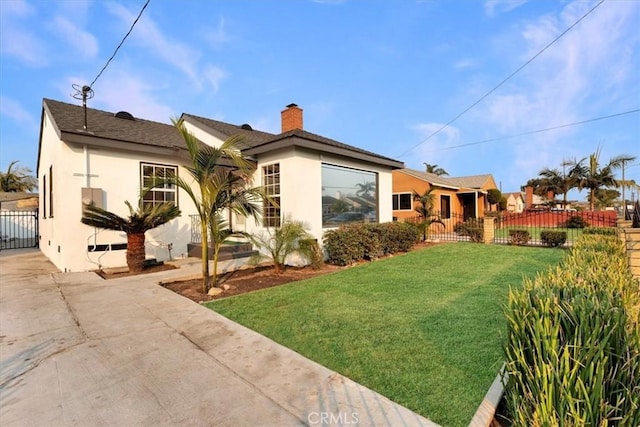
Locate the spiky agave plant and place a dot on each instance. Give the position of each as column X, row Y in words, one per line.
column 139, row 221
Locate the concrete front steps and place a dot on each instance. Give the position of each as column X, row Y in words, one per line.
column 228, row 251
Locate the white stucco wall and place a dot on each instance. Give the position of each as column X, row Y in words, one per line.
column 301, row 186
column 64, row 239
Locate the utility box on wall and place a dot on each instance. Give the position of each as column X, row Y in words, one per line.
column 92, row 195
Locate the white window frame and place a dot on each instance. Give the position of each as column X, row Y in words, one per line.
column 163, row 193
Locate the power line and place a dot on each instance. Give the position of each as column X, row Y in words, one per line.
column 503, row 81
column 121, row 43
column 484, row 141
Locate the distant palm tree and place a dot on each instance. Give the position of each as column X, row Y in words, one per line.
column 593, row 176
column 435, row 169
column 139, row 221
column 425, row 211
column 558, row 182
column 17, row 179
column 365, row 189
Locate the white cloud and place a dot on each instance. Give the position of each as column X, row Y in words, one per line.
column 465, row 63
column 82, row 41
column 16, row 112
column 219, row 36
column 491, row 7
column 147, row 33
column 430, row 151
column 214, row 75
column 122, row 90
column 17, row 39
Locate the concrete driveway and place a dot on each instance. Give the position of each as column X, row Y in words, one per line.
column 78, row 350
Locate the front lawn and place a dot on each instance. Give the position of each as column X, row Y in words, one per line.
column 424, row 328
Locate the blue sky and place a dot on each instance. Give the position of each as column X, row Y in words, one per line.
column 380, row 75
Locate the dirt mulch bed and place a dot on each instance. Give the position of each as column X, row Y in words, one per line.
column 248, row 280
column 253, row 279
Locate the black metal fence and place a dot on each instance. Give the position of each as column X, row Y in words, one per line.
column 454, row 227
column 451, row 226
column 18, row 229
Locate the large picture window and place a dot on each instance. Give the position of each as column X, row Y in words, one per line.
column 271, row 185
column 348, row 195
column 163, row 193
column 402, row 202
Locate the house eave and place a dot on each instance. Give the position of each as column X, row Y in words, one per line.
column 323, row 148
column 86, row 138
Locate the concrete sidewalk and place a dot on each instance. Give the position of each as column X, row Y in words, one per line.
column 78, row 350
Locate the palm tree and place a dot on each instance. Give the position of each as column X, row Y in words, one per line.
column 593, row 176
column 18, row 179
column 557, row 182
column 425, row 211
column 365, row 189
column 217, row 172
column 229, row 191
column 435, row 169
column 145, row 218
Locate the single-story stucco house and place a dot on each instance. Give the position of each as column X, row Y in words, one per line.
column 108, row 158
column 455, row 198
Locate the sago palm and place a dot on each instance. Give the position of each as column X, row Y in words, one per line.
column 139, row 221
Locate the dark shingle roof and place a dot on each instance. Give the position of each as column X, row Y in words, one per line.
column 69, row 118
column 102, row 124
column 250, row 137
column 325, row 141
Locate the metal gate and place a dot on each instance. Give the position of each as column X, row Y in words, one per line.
column 18, row 229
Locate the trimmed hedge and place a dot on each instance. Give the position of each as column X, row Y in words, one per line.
column 365, row 242
column 573, row 341
column 472, row 227
column 519, row 237
column 575, row 221
column 553, row 238
column 604, row 231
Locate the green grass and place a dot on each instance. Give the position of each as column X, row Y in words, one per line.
column 572, row 233
column 424, row 328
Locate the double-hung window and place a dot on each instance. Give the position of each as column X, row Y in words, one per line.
column 151, row 173
column 271, row 185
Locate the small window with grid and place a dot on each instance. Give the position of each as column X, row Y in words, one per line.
column 271, row 184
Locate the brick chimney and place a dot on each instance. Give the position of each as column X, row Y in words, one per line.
column 550, row 195
column 528, row 197
column 291, row 118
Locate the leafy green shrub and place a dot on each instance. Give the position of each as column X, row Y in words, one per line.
column 573, row 341
column 361, row 242
column 472, row 227
column 519, row 237
column 603, row 231
column 283, row 241
column 575, row 221
column 553, row 238
column 312, row 249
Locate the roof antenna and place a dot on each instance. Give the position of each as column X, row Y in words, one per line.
column 85, row 92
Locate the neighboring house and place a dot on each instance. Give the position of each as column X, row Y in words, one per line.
column 515, row 202
column 459, row 198
column 18, row 201
column 113, row 158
